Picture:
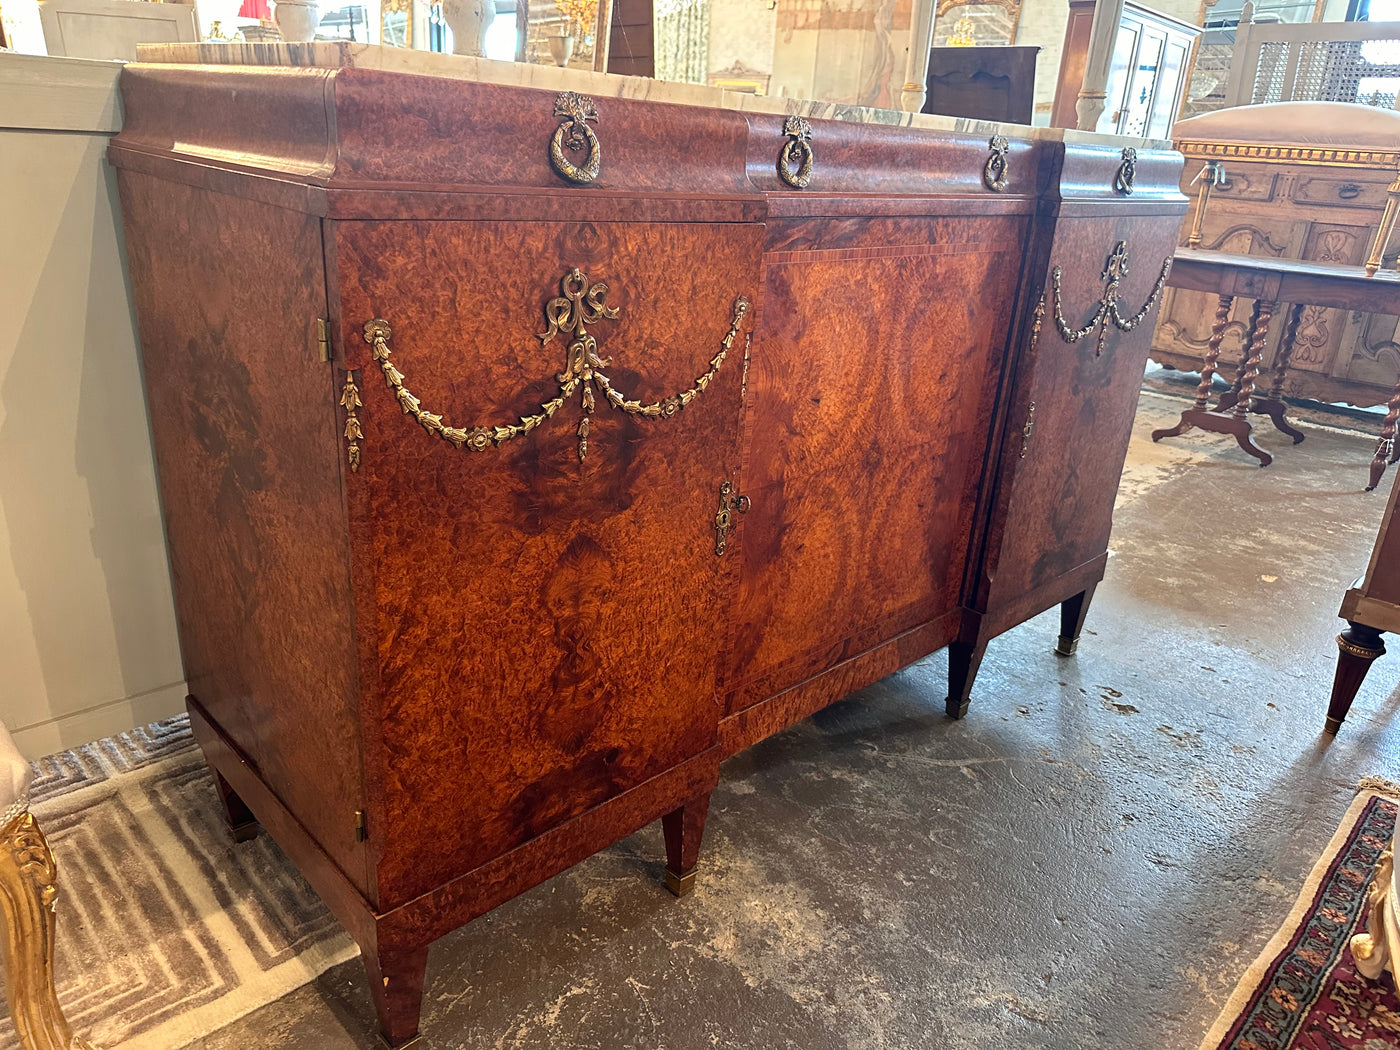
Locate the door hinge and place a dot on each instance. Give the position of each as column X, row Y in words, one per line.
column 724, row 520
column 323, row 339
column 360, row 831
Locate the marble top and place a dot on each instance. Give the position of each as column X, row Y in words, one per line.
column 345, row 54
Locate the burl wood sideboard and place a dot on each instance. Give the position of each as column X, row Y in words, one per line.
column 524, row 454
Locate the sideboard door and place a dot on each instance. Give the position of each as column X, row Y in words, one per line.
column 1070, row 419
column 549, row 599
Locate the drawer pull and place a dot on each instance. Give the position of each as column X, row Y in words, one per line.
column 1348, row 191
column 994, row 171
column 581, row 304
column 1107, row 309
column 575, row 134
column 796, row 150
column 1127, row 171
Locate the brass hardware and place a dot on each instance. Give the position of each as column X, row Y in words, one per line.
column 1066, row 646
column 1358, row 650
column 680, row 885
column 1114, row 272
column 1127, row 171
column 323, row 339
column 361, row 832
column 797, row 149
column 28, row 899
column 1348, row 191
column 1209, row 177
column 580, row 305
column 1027, row 429
column 994, row 171
column 350, row 401
column 575, row 134
column 724, row 519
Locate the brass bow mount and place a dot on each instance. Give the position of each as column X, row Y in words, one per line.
column 795, row 158
column 573, row 133
column 1107, row 311
column 579, row 305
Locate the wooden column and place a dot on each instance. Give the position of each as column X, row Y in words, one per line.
column 1102, row 36
column 920, row 44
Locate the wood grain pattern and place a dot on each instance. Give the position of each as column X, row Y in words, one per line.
column 249, row 468
column 523, row 648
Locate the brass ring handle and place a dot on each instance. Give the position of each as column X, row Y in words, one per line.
column 742, row 504
column 1127, row 171
column 575, row 134
column 796, row 151
column 1348, row 191
column 994, row 171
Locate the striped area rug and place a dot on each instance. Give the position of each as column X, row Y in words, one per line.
column 167, row 931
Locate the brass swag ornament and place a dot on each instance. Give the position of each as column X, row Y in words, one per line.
column 575, row 134
column 1113, row 273
column 581, row 304
column 994, row 171
column 797, row 150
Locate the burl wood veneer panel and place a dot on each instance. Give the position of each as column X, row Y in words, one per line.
column 546, row 628
column 248, row 455
column 871, row 391
column 1058, row 504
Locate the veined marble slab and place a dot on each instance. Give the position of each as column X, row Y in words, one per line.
column 331, row 54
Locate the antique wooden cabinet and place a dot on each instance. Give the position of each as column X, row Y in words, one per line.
column 523, row 455
column 1298, row 180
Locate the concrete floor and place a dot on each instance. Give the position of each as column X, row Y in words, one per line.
column 1090, row 859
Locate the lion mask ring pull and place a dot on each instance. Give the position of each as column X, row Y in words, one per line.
column 573, row 133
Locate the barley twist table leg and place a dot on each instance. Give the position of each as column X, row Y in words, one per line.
column 1249, row 370
column 1217, row 336
column 1385, row 447
column 28, row 892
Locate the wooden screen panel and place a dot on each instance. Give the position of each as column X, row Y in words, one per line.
column 870, row 390
column 547, row 628
column 1059, row 505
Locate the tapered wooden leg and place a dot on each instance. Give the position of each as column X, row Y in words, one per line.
column 1358, row 647
column 1072, row 613
column 963, row 661
column 396, row 978
column 683, row 829
column 242, row 825
column 1212, row 358
column 1385, row 448
column 28, row 893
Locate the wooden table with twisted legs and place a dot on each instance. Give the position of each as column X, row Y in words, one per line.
column 1269, row 282
column 1220, row 420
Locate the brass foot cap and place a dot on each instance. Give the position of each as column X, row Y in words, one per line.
column 1333, row 724
column 1066, row 646
column 680, row 885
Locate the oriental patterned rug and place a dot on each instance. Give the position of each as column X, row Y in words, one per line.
column 167, row 931
column 1303, row 992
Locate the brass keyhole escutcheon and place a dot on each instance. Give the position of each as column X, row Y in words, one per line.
column 724, row 516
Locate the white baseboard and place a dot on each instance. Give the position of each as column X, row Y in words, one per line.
column 59, row 734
